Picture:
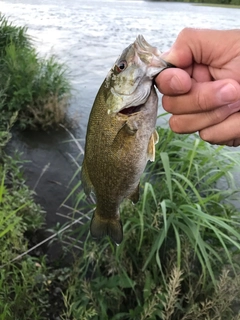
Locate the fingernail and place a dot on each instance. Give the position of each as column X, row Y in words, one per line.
column 228, row 93
column 175, row 84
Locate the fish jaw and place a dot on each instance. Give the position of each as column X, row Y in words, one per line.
column 131, row 86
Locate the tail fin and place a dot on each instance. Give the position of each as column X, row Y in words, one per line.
column 100, row 227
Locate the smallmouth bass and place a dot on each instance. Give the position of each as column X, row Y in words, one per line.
column 121, row 135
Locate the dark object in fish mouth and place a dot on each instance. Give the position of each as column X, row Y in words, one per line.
column 131, row 110
column 169, row 65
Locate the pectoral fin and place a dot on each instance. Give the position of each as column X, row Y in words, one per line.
column 134, row 197
column 86, row 182
column 129, row 128
column 155, row 136
column 100, row 227
column 151, row 145
column 126, row 132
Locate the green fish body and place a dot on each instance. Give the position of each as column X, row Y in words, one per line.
column 121, row 135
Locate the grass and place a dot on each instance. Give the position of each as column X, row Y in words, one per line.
column 180, row 255
column 20, row 285
column 34, row 93
column 37, row 88
column 190, row 203
column 222, row 5
column 179, row 259
column 23, row 285
column 29, row 284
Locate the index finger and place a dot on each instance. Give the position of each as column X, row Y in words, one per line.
column 199, row 45
column 203, row 96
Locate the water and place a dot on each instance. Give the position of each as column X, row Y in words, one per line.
column 89, row 36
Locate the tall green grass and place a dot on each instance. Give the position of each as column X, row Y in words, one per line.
column 30, row 287
column 9, row 33
column 180, row 255
column 23, row 291
column 37, row 88
column 22, row 283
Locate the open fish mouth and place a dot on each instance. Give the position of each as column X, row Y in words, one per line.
column 131, row 110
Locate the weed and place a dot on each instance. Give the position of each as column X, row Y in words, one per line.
column 22, row 284
column 37, row 88
column 179, row 256
column 9, row 33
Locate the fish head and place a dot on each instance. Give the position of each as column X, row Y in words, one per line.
column 129, row 81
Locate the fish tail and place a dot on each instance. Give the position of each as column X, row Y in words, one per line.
column 100, row 227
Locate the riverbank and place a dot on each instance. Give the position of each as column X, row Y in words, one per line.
column 33, row 94
column 35, row 90
column 221, row 5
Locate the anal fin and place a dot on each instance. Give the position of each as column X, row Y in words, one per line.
column 134, row 197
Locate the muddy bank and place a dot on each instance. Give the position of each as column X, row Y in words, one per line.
column 48, row 166
column 49, row 169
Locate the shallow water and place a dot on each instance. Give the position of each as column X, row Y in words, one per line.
column 89, row 36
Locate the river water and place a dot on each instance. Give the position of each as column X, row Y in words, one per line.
column 88, row 36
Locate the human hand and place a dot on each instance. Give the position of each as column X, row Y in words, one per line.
column 204, row 95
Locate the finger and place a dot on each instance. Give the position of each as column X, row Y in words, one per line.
column 201, row 73
column 173, row 81
column 200, row 45
column 233, row 143
column 228, row 130
column 203, row 97
column 189, row 123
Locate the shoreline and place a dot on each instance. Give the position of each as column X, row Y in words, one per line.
column 230, row 6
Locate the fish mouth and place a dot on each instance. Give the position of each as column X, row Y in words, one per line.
column 131, row 110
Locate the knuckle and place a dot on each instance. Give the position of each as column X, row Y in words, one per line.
column 184, row 32
column 204, row 135
column 215, row 116
column 201, row 101
column 166, row 103
column 175, row 124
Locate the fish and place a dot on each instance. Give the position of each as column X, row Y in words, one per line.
column 121, row 135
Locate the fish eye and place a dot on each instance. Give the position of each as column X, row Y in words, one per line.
column 121, row 66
